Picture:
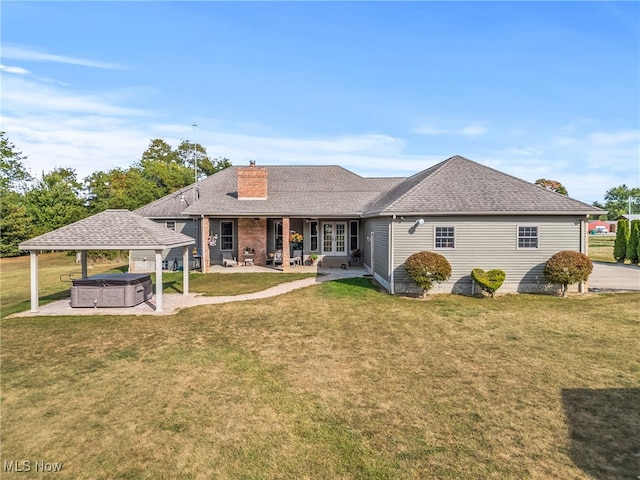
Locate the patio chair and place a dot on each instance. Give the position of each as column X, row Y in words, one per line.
column 297, row 258
column 277, row 258
column 228, row 260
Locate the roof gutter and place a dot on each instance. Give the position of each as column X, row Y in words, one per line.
column 487, row 213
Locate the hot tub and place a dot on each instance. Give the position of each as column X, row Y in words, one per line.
column 111, row 290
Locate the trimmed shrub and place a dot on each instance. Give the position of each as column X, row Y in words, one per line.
column 489, row 281
column 634, row 240
column 622, row 241
column 567, row 267
column 427, row 267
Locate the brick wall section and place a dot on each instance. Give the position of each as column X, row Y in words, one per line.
column 252, row 182
column 252, row 233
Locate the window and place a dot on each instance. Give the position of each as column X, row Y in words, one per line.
column 278, row 235
column 527, row 237
column 170, row 225
column 313, row 235
column 445, row 237
column 226, row 235
column 353, row 235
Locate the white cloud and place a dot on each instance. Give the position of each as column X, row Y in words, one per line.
column 526, row 151
column 14, row 70
column 467, row 131
column 615, row 138
column 21, row 95
column 27, row 54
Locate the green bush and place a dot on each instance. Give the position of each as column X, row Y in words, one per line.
column 634, row 240
column 427, row 267
column 489, row 281
column 568, row 267
column 622, row 240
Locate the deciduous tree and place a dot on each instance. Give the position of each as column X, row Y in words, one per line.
column 55, row 201
column 552, row 185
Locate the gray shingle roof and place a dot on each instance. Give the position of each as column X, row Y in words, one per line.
column 455, row 186
column 292, row 190
column 110, row 230
column 461, row 186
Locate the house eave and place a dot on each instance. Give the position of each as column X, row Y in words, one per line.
column 486, row 213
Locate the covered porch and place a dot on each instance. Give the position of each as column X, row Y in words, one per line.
column 282, row 242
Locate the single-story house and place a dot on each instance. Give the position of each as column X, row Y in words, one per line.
column 475, row 216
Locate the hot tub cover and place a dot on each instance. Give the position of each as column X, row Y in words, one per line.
column 112, row 279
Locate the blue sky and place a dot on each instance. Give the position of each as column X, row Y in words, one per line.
column 535, row 89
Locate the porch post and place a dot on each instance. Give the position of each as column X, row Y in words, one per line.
column 205, row 254
column 159, row 280
column 185, row 270
column 34, row 280
column 286, row 228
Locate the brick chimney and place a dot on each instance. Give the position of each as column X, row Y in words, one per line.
column 252, row 182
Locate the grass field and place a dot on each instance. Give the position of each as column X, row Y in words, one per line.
column 337, row 380
column 601, row 248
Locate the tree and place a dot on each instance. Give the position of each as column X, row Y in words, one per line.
column 118, row 188
column 427, row 267
column 621, row 242
column 568, row 267
column 14, row 176
column 15, row 222
column 617, row 201
column 171, row 170
column 55, row 201
column 634, row 240
column 552, row 185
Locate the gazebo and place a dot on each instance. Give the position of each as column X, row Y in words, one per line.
column 110, row 230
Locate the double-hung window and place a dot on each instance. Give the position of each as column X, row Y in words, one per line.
column 226, row 235
column 445, row 237
column 527, row 237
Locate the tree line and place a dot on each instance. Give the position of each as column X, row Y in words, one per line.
column 30, row 207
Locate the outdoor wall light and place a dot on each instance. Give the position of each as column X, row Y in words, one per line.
column 420, row 221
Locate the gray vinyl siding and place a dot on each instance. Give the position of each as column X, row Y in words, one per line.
column 143, row 261
column 379, row 257
column 487, row 243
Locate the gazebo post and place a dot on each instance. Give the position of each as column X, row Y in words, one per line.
column 185, row 270
column 35, row 300
column 83, row 261
column 159, row 280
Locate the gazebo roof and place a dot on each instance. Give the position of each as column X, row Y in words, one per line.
column 110, row 230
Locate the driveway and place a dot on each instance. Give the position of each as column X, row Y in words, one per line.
column 614, row 276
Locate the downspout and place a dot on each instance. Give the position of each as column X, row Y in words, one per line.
column 584, row 248
column 391, row 257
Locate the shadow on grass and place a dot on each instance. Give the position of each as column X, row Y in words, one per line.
column 26, row 305
column 603, row 428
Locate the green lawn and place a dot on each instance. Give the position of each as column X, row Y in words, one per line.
column 601, row 248
column 337, row 380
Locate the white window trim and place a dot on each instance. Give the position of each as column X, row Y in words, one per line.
column 168, row 224
column 455, row 242
column 537, row 237
column 233, row 236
